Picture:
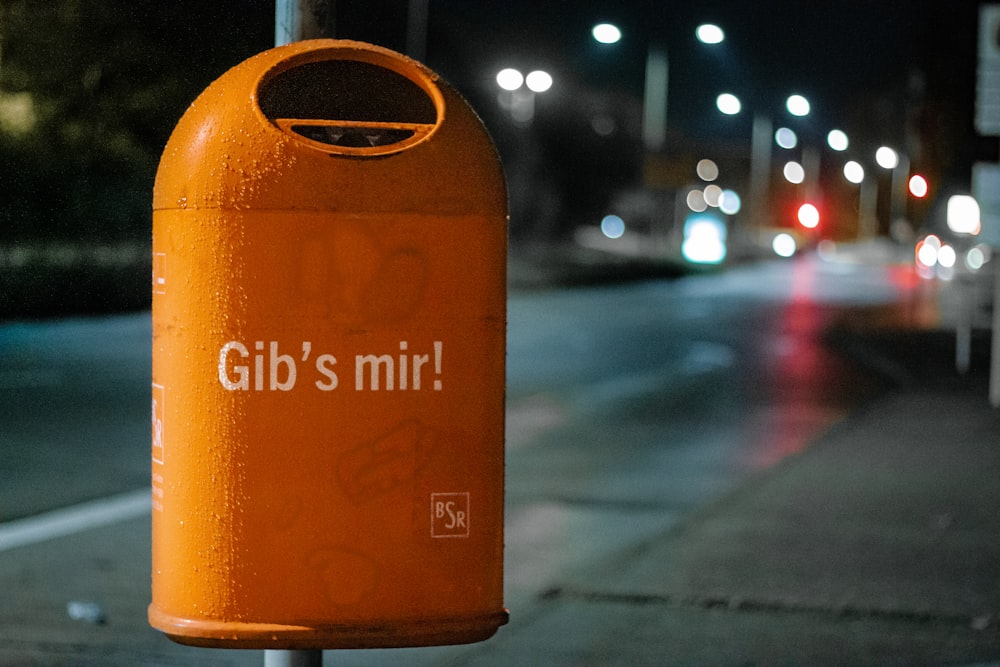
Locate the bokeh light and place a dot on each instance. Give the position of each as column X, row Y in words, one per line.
column 510, row 79
column 808, row 216
column 918, row 186
column 798, row 105
column 783, row 244
column 837, row 140
column 794, row 172
column 730, row 203
column 713, row 195
column 538, row 81
column 786, row 138
column 927, row 250
column 854, row 172
column 728, row 104
column 709, row 33
column 613, row 226
column 963, row 214
column 707, row 170
column 946, row 256
column 704, row 240
column 606, row 33
column 886, row 157
column 977, row 257
column 696, row 201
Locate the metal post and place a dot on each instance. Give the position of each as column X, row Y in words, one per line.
column 868, row 209
column 654, row 99
column 296, row 20
column 900, row 178
column 760, row 170
column 963, row 326
column 293, row 658
column 811, row 157
column 995, row 348
column 416, row 29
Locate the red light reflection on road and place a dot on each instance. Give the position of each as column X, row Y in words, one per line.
column 808, row 386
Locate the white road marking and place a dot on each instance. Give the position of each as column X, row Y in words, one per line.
column 74, row 519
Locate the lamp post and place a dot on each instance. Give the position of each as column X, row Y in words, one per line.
column 898, row 164
column 518, row 92
column 760, row 152
column 657, row 77
column 867, row 199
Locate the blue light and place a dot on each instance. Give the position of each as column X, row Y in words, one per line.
column 613, row 226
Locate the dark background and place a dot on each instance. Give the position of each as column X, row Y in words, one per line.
column 90, row 90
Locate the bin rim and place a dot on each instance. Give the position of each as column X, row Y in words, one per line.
column 306, row 52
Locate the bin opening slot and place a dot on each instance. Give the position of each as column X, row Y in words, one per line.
column 353, row 135
column 348, row 106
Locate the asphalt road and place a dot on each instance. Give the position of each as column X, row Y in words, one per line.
column 629, row 407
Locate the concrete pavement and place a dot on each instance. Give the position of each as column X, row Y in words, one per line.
column 879, row 544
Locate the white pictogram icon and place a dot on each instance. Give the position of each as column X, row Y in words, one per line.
column 158, row 449
column 159, row 273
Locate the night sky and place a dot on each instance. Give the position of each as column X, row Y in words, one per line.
column 862, row 63
column 859, row 61
column 899, row 72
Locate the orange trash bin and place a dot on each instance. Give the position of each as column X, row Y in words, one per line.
column 329, row 316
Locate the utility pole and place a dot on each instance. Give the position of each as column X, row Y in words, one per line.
column 295, row 20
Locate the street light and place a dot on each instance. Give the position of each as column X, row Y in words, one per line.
column 867, row 198
column 510, row 79
column 606, row 33
column 886, row 157
column 728, row 104
column 837, row 140
column 854, row 172
column 794, row 172
column 654, row 99
column 709, row 33
column 519, row 92
column 538, row 81
column 898, row 166
column 798, row 105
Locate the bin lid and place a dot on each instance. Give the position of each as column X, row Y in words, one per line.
column 331, row 125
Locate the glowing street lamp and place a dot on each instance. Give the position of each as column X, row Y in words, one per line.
column 709, row 33
column 887, row 158
column 798, row 105
column 899, row 167
column 606, row 33
column 837, row 140
column 794, row 172
column 538, row 81
column 519, row 92
column 728, row 104
column 654, row 99
column 854, row 172
column 868, row 198
column 510, row 79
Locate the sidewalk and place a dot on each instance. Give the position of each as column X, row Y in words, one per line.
column 879, row 544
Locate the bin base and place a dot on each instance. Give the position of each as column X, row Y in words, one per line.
column 270, row 636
